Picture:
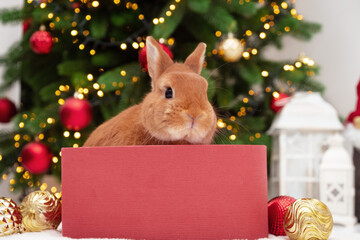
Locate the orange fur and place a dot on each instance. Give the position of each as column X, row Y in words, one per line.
column 187, row 118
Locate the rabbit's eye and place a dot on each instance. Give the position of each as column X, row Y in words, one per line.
column 169, row 93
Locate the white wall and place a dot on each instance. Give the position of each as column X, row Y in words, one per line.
column 8, row 35
column 336, row 48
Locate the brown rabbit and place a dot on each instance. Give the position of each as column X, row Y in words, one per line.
column 176, row 111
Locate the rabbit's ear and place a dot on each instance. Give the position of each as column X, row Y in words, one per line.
column 195, row 60
column 157, row 59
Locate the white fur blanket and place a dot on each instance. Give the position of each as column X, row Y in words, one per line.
column 339, row 233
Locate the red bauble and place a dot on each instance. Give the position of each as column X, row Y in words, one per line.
column 36, row 157
column 277, row 208
column 7, row 110
column 143, row 58
column 75, row 5
column 278, row 101
column 26, row 24
column 75, row 114
column 41, row 42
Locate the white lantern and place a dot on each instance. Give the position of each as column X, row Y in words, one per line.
column 337, row 188
column 299, row 132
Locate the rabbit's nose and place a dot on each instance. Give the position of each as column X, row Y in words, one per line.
column 191, row 117
column 192, row 120
column 194, row 116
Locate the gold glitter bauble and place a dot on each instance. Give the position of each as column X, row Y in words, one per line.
column 308, row 218
column 356, row 122
column 10, row 219
column 231, row 49
column 41, row 210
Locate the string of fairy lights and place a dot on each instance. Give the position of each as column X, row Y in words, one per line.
column 137, row 41
column 26, row 175
column 268, row 26
column 301, row 61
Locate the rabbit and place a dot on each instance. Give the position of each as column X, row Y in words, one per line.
column 176, row 111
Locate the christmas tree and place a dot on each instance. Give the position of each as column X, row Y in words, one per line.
column 82, row 62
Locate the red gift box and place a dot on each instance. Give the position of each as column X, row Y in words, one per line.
column 165, row 192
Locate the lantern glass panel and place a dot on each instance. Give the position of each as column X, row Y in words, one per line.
column 296, row 143
column 295, row 189
column 275, row 148
column 296, row 167
column 320, row 140
column 312, row 190
column 274, row 169
column 274, row 189
column 298, row 189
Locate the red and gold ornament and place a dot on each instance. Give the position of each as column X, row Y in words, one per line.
column 308, row 218
column 7, row 110
column 278, row 101
column 277, row 208
column 10, row 218
column 36, row 157
column 41, row 211
column 75, row 114
column 41, row 41
column 143, row 57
